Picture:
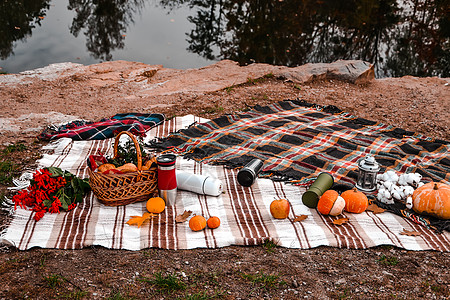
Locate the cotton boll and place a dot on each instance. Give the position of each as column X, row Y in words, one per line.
column 396, row 195
column 379, row 177
column 409, row 202
column 402, row 180
column 387, row 184
column 408, row 190
column 387, row 194
column 410, row 178
column 394, row 178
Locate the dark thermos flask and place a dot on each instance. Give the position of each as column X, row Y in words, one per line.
column 248, row 174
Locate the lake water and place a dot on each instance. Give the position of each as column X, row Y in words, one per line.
column 399, row 37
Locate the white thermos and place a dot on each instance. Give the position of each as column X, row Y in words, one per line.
column 200, row 184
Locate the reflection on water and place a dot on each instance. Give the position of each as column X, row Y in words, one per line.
column 409, row 37
column 105, row 23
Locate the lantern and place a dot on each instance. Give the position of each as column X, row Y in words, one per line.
column 367, row 174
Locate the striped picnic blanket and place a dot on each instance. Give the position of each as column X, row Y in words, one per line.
column 244, row 213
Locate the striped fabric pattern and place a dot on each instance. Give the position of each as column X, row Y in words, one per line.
column 244, row 213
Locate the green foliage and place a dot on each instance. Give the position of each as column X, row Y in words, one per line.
column 8, row 170
column 388, row 260
column 54, row 280
column 166, row 283
column 14, row 148
column 264, row 280
column 269, row 246
column 72, row 192
column 126, row 153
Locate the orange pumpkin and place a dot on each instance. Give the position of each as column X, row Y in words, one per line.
column 355, row 201
column 330, row 203
column 156, row 205
column 197, row 223
column 213, row 222
column 432, row 199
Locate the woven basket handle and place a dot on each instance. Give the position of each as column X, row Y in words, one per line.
column 136, row 145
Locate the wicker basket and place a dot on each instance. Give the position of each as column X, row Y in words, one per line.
column 122, row 189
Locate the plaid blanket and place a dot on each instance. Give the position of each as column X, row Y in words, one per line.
column 244, row 213
column 297, row 140
column 136, row 123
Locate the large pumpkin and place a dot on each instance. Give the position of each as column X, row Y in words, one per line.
column 432, row 199
column 355, row 201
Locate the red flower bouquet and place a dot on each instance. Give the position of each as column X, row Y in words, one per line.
column 51, row 190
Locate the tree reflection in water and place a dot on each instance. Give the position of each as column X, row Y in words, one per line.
column 105, row 23
column 18, row 18
column 412, row 38
column 401, row 37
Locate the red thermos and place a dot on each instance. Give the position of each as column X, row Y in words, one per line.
column 167, row 180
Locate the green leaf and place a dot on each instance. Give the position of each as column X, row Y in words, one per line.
column 55, row 171
column 65, row 201
column 47, row 203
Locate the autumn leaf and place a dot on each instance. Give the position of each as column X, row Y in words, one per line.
column 410, row 233
column 375, row 208
column 139, row 220
column 341, row 221
column 183, row 217
column 300, row 218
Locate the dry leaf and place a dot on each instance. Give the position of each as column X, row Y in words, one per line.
column 300, row 218
column 375, row 208
column 183, row 217
column 139, row 220
column 409, row 233
column 340, row 221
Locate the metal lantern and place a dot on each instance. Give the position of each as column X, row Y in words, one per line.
column 367, row 174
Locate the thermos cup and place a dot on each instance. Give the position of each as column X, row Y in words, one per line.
column 322, row 183
column 200, row 184
column 167, row 180
column 248, row 174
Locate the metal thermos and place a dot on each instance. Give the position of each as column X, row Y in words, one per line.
column 200, row 184
column 248, row 174
column 322, row 183
column 167, row 180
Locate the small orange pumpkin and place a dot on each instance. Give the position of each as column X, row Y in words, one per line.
column 355, row 201
column 330, row 203
column 197, row 223
column 156, row 205
column 432, row 199
column 213, row 222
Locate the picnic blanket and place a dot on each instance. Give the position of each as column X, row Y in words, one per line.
column 80, row 130
column 297, row 141
column 244, row 213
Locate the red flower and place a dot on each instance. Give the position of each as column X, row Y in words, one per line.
column 56, row 204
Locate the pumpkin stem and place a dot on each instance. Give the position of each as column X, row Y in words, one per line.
column 355, row 189
column 435, row 186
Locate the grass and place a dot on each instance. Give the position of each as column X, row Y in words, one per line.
column 212, row 110
column 165, row 283
column 264, row 280
column 54, row 280
column 9, row 169
column 119, row 296
column 269, row 246
column 388, row 260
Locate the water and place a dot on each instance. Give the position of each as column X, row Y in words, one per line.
column 399, row 37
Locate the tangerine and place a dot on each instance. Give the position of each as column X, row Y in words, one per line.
column 156, row 205
column 197, row 223
column 213, row 222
